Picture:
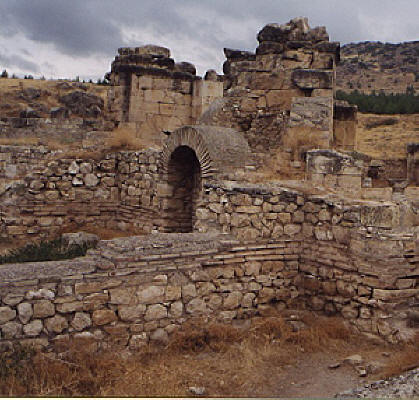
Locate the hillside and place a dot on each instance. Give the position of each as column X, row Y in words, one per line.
column 369, row 66
column 386, row 136
column 40, row 97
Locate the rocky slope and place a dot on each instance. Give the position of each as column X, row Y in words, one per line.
column 35, row 98
column 369, row 66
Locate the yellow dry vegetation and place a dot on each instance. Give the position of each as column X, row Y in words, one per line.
column 227, row 361
column 12, row 102
column 124, row 138
column 379, row 138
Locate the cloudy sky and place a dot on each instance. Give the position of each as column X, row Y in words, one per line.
column 66, row 38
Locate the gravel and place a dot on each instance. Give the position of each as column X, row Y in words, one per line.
column 403, row 386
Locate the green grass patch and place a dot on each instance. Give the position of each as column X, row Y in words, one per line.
column 52, row 250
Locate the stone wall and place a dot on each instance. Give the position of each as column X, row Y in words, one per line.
column 351, row 260
column 152, row 93
column 413, row 163
column 291, row 72
column 42, row 193
column 133, row 290
column 335, row 170
column 72, row 129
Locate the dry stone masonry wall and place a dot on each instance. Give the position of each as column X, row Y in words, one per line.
column 256, row 248
column 42, row 193
column 133, row 290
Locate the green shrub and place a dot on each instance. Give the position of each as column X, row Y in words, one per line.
column 381, row 103
column 52, row 250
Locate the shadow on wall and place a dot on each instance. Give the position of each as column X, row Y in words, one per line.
column 184, row 178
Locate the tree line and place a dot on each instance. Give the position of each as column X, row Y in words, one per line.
column 382, row 103
column 100, row 81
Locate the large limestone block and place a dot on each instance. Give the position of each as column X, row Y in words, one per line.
column 380, row 215
column 232, row 300
column 122, row 295
column 313, row 79
column 6, row 314
column 103, row 317
column 131, row 313
column 56, row 324
column 155, row 312
column 11, row 330
column 43, row 308
column 34, row 328
column 25, row 312
column 81, row 321
column 196, row 307
column 151, row 294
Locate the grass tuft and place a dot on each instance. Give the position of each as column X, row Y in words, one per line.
column 123, row 138
column 52, row 250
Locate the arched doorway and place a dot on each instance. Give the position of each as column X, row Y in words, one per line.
column 184, row 177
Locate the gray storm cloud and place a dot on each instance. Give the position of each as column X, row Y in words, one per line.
column 84, row 28
column 15, row 60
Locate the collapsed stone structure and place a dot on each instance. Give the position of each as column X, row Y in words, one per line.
column 152, row 93
column 221, row 247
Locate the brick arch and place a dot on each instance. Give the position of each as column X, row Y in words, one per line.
column 217, row 149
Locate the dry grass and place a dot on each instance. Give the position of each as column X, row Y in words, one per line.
column 102, row 232
column 378, row 139
column 123, row 138
column 12, row 103
column 226, row 360
column 20, row 141
column 404, row 359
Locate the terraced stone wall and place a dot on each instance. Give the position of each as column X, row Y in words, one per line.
column 43, row 193
column 351, row 259
column 133, row 290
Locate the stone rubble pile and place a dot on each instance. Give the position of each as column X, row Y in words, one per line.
column 403, row 386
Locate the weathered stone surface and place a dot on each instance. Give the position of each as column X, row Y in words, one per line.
column 232, row 300
column 349, row 312
column 81, row 321
column 103, row 317
column 160, row 336
column 196, row 307
column 40, row 294
column 90, row 180
column 150, row 294
column 155, row 312
column 131, row 313
column 34, row 328
column 25, row 312
column 11, row 330
column 292, row 229
column 12, row 299
column 173, row 293
column 122, row 295
column 56, row 324
column 137, row 341
column 6, row 314
column 43, row 308
column 176, row 309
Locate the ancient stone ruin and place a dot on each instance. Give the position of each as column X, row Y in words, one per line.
column 222, row 244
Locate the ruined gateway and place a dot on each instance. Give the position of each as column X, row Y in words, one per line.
column 220, row 245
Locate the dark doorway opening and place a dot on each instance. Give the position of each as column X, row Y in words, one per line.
column 184, row 176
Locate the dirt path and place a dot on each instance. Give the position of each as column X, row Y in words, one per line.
column 311, row 377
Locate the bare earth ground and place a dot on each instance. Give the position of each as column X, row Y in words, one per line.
column 386, row 141
column 286, row 356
